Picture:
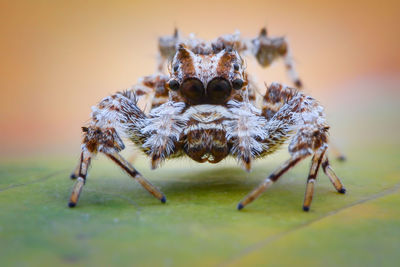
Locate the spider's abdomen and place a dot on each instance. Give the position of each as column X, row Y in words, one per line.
column 205, row 134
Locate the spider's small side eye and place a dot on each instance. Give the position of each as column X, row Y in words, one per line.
column 236, row 66
column 237, row 84
column 173, row 85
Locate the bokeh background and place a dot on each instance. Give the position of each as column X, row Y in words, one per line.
column 57, row 58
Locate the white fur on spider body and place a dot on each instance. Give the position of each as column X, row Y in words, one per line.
column 206, row 109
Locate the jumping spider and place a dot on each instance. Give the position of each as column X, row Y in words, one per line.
column 206, row 109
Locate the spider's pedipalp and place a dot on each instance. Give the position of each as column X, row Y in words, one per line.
column 245, row 131
column 162, row 130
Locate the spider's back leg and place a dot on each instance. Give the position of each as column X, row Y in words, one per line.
column 151, row 91
column 267, row 49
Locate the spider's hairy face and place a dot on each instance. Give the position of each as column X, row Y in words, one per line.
column 212, row 78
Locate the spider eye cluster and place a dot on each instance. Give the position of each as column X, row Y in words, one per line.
column 217, row 91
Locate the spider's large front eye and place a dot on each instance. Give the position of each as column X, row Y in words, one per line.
column 218, row 90
column 193, row 90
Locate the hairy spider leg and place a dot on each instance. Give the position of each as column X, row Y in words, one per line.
column 150, row 92
column 81, row 174
column 272, row 178
column 129, row 169
column 291, row 70
column 332, row 176
column 291, row 114
column 84, row 164
column 337, row 153
column 312, row 176
column 75, row 173
column 114, row 114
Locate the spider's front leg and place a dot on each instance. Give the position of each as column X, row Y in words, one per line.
column 292, row 115
column 113, row 117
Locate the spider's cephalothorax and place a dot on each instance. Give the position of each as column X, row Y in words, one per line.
column 206, row 109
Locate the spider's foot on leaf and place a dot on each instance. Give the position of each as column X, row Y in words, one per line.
column 342, row 191
column 76, row 191
column 71, row 204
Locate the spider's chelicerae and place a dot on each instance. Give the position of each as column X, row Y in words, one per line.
column 206, row 109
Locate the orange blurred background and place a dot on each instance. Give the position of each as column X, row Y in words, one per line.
column 60, row 57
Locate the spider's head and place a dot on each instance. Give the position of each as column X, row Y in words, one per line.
column 212, row 78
